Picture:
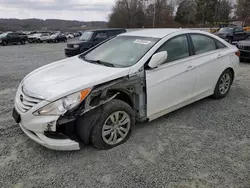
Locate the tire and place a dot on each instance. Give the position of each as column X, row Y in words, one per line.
column 230, row 40
column 4, row 43
column 91, row 126
column 22, row 42
column 56, row 41
column 219, row 92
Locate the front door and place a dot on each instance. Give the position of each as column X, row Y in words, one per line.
column 171, row 83
column 99, row 37
column 239, row 34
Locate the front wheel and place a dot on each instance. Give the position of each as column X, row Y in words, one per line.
column 223, row 85
column 4, row 43
column 230, row 40
column 112, row 125
column 22, row 42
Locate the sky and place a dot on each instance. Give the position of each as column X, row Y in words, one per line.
column 83, row 10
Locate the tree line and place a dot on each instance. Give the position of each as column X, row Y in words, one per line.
column 178, row 13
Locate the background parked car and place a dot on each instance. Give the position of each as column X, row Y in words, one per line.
column 89, row 39
column 244, row 47
column 25, row 36
column 57, row 37
column 232, row 34
column 70, row 36
column 12, row 37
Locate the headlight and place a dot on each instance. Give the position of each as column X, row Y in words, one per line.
column 64, row 104
column 76, row 46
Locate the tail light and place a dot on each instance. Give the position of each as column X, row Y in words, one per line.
column 237, row 53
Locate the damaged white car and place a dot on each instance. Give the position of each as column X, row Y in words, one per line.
column 97, row 97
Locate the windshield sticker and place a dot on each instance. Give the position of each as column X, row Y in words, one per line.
column 144, row 42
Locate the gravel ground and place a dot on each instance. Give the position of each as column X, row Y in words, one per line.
column 206, row 144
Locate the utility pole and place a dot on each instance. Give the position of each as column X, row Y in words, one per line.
column 154, row 15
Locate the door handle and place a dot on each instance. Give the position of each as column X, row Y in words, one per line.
column 219, row 55
column 190, row 67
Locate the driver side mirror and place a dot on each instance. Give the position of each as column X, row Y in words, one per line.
column 158, row 59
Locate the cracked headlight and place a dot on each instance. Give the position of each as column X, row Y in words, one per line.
column 64, row 104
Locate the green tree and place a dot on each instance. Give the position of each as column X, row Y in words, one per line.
column 243, row 10
column 186, row 12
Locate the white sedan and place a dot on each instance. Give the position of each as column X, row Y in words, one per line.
column 134, row 77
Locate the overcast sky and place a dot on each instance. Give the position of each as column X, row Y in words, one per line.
column 84, row 10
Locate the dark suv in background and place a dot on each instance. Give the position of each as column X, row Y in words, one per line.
column 12, row 37
column 231, row 34
column 89, row 39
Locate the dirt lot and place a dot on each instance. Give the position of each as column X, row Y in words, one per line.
column 206, row 144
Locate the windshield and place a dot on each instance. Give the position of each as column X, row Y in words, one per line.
column 122, row 51
column 86, row 36
column 226, row 30
column 3, row 34
column 54, row 35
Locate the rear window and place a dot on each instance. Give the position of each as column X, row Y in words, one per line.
column 202, row 43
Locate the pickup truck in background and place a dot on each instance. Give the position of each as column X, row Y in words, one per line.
column 232, row 34
column 12, row 37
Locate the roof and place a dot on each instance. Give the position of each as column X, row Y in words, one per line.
column 155, row 33
column 108, row 29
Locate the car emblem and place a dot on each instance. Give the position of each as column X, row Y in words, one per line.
column 240, row 46
column 21, row 98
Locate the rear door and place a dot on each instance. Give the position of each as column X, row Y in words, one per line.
column 209, row 57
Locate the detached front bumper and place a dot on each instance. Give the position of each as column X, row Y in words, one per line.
column 54, row 144
column 37, row 127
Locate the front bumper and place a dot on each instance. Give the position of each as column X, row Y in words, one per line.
column 54, row 144
column 72, row 51
column 36, row 127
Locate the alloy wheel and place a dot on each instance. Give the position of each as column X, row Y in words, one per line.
column 116, row 128
column 224, row 83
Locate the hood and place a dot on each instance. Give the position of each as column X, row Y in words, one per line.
column 221, row 34
column 67, row 76
column 244, row 43
column 78, row 42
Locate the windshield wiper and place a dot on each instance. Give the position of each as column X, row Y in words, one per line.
column 102, row 63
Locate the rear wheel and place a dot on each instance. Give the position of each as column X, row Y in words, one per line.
column 4, row 43
column 223, row 85
column 56, row 41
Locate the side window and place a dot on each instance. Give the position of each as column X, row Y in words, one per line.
column 177, row 48
column 238, row 29
column 112, row 33
column 202, row 43
column 10, row 35
column 101, row 36
column 219, row 45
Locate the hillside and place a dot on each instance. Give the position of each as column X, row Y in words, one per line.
column 48, row 24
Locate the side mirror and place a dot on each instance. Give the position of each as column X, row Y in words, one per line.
column 158, row 59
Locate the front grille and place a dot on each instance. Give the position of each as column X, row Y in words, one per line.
column 26, row 102
column 244, row 54
column 246, row 48
column 70, row 45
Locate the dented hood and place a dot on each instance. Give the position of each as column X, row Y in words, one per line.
column 67, row 76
